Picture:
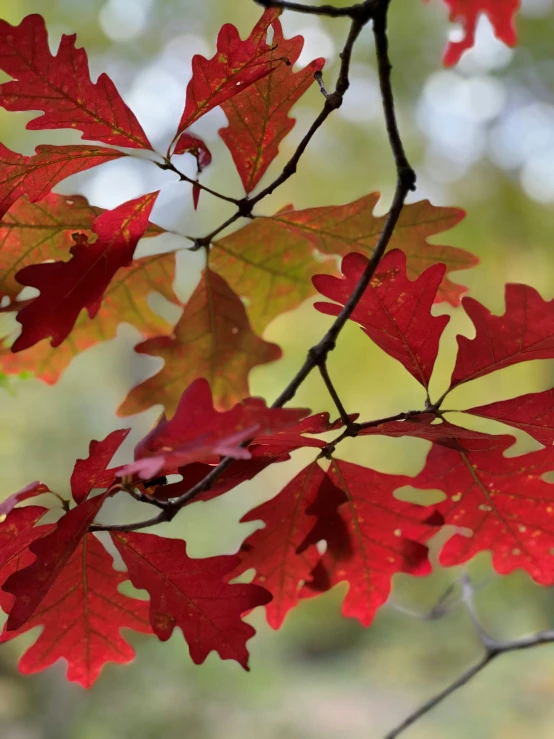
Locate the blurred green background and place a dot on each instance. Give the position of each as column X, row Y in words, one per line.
column 481, row 137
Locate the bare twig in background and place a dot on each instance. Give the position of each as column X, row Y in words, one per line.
column 492, row 649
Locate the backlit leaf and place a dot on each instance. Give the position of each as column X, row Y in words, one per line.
column 60, row 85
column 36, row 175
column 68, row 287
column 394, row 312
column 259, row 117
column 82, row 616
column 191, row 594
column 212, row 339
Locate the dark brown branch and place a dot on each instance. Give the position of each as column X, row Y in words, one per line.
column 329, row 10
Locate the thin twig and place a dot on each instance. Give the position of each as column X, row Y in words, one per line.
column 435, row 700
column 345, row 418
column 169, row 166
column 319, row 79
column 493, row 648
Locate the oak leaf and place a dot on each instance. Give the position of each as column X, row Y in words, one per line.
column 31, row 584
column 191, row 594
column 341, row 229
column 198, row 432
column 68, row 287
column 259, row 117
column 501, row 13
column 533, row 413
column 236, row 65
column 60, row 85
column 393, row 311
column 125, row 300
column 82, row 616
column 524, row 332
column 36, row 175
column 380, row 538
column 92, row 472
column 272, row 550
column 504, row 502
column 212, row 339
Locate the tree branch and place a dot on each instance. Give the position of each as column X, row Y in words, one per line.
column 329, row 10
column 492, row 647
column 362, row 13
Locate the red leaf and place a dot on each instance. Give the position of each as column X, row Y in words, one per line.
column 381, row 529
column 265, row 450
column 501, row 14
column 425, row 426
column 191, row 594
column 258, row 118
column 394, row 312
column 533, row 413
column 82, row 616
column 272, row 551
column 68, row 287
column 269, row 266
column 60, row 86
column 92, row 472
column 17, row 532
column 212, row 339
column 30, row 491
column 341, row 229
column 524, row 332
column 504, row 501
column 125, row 300
column 31, row 584
column 190, row 144
column 197, row 431
column 236, row 65
column 36, row 175
column 31, row 233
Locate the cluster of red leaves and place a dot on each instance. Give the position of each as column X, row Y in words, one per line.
column 82, row 261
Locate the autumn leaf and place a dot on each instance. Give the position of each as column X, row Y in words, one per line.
column 501, row 13
column 36, row 175
column 31, row 233
column 82, row 616
column 31, row 584
column 342, row 229
column 272, row 550
column 265, row 450
column 259, row 117
column 212, row 339
column 524, row 332
column 32, row 490
column 533, row 413
column 504, row 502
column 125, row 300
column 236, row 65
column 92, row 472
column 68, row 287
column 269, row 266
column 60, row 85
column 425, row 426
column 394, row 312
column 191, row 594
column 383, row 536
column 198, row 432
column 17, row 532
